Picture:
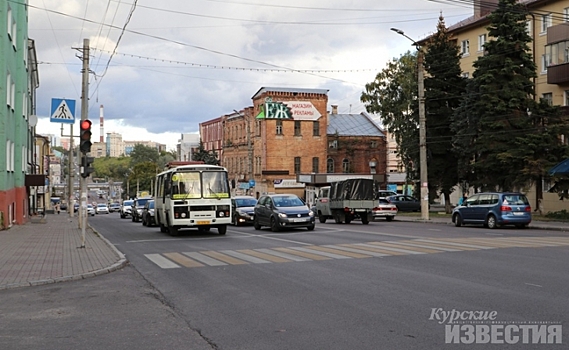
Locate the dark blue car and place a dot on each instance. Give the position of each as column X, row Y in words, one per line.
column 494, row 209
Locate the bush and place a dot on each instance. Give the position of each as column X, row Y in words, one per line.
column 559, row 215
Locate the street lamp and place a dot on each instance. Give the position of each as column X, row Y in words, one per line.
column 422, row 130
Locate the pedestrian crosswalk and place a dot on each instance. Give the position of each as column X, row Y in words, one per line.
column 346, row 251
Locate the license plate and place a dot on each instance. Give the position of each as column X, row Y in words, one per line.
column 203, row 222
column 298, row 220
column 518, row 213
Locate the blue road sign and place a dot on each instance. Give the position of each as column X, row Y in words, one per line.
column 62, row 111
column 252, row 183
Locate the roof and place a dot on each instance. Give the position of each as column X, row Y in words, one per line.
column 292, row 90
column 560, row 169
column 353, row 125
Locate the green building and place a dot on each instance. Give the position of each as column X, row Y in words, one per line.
column 18, row 82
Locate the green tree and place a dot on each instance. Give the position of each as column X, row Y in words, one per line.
column 142, row 154
column 444, row 86
column 393, row 96
column 208, row 157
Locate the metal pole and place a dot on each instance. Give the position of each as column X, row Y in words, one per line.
column 84, row 112
column 70, row 170
column 424, row 178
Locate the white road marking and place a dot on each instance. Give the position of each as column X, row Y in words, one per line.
column 319, row 252
column 204, row 259
column 282, row 255
column 245, row 257
column 534, row 285
column 161, row 261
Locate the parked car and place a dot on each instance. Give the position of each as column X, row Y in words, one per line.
column 137, row 206
column 279, row 211
column 126, row 208
column 102, row 208
column 243, row 209
column 90, row 210
column 405, row 203
column 114, row 207
column 384, row 210
column 494, row 209
column 148, row 214
column 75, row 207
column 384, row 194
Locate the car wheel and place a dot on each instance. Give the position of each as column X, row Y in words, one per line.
column 144, row 222
column 256, row 224
column 274, row 225
column 222, row 229
column 457, row 220
column 322, row 218
column 310, row 228
column 491, row 222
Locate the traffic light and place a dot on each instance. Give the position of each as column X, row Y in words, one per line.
column 85, row 136
column 86, row 166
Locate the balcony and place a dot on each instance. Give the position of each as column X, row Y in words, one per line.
column 558, row 74
column 558, row 33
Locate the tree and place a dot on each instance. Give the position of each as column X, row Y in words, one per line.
column 208, row 157
column 142, row 153
column 444, row 86
column 393, row 96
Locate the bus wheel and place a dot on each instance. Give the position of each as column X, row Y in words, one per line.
column 172, row 230
column 222, row 229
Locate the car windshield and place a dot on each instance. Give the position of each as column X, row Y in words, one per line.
column 245, row 202
column 141, row 202
column 151, row 205
column 127, row 203
column 101, row 205
column 383, row 201
column 287, row 201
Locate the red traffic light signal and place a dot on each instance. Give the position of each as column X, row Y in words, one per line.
column 85, row 136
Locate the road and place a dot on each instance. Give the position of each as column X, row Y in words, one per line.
column 329, row 291
column 377, row 286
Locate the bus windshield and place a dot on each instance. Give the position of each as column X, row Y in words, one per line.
column 211, row 184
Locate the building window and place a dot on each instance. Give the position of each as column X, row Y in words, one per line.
column 373, row 144
column 297, row 165
column 9, row 21
column 566, row 97
column 330, row 166
column 465, row 75
column 545, row 22
column 566, row 14
column 481, row 42
column 315, row 164
column 316, row 128
column 528, row 29
column 545, row 62
column 279, row 127
column 297, row 130
column 465, row 48
column 345, row 166
column 333, row 144
column 548, row 96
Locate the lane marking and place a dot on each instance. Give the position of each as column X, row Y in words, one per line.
column 374, row 249
column 421, row 249
column 161, row 261
column 224, row 258
column 204, row 259
column 354, row 250
column 534, row 285
column 314, row 250
column 244, row 257
column 382, row 246
column 303, row 254
column 282, row 255
column 332, row 250
column 183, row 260
column 434, row 246
column 264, row 256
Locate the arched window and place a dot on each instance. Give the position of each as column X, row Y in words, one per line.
column 345, row 166
column 330, row 165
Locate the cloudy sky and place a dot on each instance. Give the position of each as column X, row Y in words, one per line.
column 162, row 67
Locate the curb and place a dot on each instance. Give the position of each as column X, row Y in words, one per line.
column 530, row 227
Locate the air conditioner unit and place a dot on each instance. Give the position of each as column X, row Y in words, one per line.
column 241, row 176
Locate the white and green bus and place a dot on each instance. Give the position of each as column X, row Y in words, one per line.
column 196, row 195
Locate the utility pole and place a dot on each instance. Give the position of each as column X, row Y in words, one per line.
column 70, row 170
column 84, row 113
column 423, row 175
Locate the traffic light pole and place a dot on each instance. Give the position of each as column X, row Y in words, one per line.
column 84, row 113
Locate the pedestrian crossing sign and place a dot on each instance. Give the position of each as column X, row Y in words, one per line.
column 62, row 111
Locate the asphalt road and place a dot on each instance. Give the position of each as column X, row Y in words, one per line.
column 346, row 301
column 242, row 299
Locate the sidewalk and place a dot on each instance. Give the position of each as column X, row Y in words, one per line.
column 49, row 252
column 435, row 219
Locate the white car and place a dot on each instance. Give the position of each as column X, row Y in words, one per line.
column 102, row 208
column 384, row 209
column 90, row 210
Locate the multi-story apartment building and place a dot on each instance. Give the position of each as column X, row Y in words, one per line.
column 129, row 146
column 211, row 133
column 115, row 145
column 187, row 145
column 18, row 81
column 99, row 149
column 548, row 25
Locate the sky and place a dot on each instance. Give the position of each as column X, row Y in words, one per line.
column 162, row 67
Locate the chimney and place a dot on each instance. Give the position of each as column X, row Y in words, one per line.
column 101, row 138
column 334, row 109
column 484, row 7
